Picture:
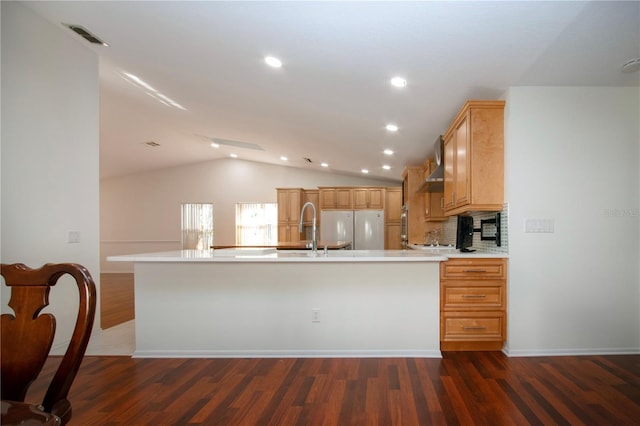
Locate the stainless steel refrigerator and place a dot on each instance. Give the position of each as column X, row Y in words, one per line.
column 364, row 228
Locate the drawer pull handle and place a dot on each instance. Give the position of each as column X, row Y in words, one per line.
column 474, row 270
column 474, row 296
column 474, row 327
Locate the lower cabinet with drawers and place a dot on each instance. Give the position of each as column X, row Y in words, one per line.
column 473, row 304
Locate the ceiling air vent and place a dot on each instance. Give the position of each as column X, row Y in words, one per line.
column 84, row 33
column 237, row 144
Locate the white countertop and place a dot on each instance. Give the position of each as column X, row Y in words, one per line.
column 419, row 254
column 272, row 255
column 452, row 252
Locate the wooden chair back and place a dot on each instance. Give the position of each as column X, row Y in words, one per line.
column 27, row 335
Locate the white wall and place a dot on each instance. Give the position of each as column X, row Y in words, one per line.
column 264, row 309
column 141, row 213
column 50, row 154
column 572, row 155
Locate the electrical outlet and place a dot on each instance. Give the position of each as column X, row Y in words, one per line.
column 315, row 315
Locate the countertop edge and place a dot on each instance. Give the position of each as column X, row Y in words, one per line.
column 348, row 256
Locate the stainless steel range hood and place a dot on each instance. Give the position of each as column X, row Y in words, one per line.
column 435, row 181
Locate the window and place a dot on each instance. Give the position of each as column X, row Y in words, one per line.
column 256, row 224
column 197, row 226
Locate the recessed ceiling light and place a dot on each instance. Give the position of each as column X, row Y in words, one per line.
column 214, row 145
column 386, row 167
column 324, row 164
column 388, row 152
column 273, row 61
column 392, row 127
column 365, row 171
column 283, row 158
column 233, row 155
column 398, row 82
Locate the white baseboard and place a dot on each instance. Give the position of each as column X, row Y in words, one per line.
column 291, row 354
column 570, row 352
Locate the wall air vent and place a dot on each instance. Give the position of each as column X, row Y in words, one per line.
column 84, row 33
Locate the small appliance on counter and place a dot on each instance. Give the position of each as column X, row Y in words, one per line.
column 464, row 234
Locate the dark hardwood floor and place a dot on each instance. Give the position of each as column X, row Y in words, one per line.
column 116, row 299
column 462, row 388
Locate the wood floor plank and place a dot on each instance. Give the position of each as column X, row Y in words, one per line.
column 117, row 301
column 478, row 388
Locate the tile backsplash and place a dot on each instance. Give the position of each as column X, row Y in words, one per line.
column 449, row 231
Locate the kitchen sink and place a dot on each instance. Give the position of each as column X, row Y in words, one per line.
column 433, row 249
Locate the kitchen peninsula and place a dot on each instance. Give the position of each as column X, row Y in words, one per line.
column 269, row 303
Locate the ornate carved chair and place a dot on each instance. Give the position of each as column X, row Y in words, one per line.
column 27, row 336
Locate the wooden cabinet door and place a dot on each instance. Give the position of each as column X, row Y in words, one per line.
column 295, row 198
column 393, row 204
column 376, row 198
column 392, row 239
column 368, row 198
column 360, row 198
column 462, row 168
column 289, row 204
column 434, row 207
column 283, row 232
column 283, row 205
column 344, row 198
column 313, row 196
column 415, row 204
column 288, row 233
column 449, row 170
column 327, row 198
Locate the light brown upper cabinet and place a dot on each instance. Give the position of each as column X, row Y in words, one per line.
column 289, row 206
column 414, row 200
column 474, row 159
column 313, row 196
column 433, row 201
column 338, row 198
column 368, row 198
column 393, row 204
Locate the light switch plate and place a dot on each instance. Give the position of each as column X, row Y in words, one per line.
column 539, row 226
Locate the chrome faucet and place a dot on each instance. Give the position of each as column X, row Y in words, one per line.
column 314, row 239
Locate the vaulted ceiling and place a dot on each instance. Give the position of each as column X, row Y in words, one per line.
column 331, row 99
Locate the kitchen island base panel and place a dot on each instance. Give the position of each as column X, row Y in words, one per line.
column 366, row 309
